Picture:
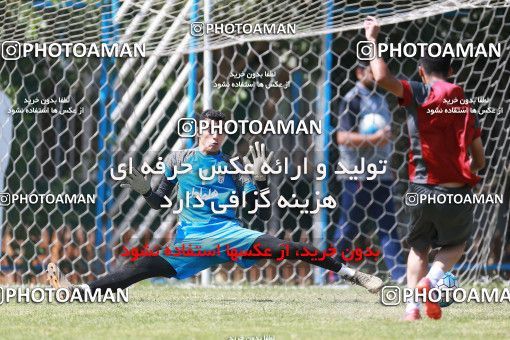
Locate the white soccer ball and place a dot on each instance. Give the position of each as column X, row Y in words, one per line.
column 371, row 123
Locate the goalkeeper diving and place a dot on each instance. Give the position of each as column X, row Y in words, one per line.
column 200, row 226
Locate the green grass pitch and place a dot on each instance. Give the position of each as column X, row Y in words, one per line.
column 176, row 312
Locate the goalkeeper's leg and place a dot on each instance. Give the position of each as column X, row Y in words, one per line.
column 276, row 245
column 128, row 274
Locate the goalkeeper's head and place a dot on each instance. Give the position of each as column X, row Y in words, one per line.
column 430, row 68
column 210, row 139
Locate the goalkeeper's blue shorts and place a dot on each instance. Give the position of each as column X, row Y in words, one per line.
column 208, row 237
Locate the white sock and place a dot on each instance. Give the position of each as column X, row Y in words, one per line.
column 435, row 274
column 84, row 286
column 346, row 271
column 411, row 305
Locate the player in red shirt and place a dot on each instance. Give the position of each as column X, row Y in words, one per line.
column 445, row 153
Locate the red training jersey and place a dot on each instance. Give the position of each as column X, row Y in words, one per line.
column 441, row 129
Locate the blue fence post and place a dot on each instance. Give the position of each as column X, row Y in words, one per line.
column 328, row 95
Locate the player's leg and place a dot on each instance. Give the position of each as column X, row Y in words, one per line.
column 444, row 261
column 421, row 234
column 423, row 281
column 453, row 225
column 417, row 263
column 125, row 276
column 277, row 246
column 382, row 210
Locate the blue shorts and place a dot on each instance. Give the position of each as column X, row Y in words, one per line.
column 208, row 237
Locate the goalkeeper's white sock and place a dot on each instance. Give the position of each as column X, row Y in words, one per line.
column 435, row 274
column 346, row 271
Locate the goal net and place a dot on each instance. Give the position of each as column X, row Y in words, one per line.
column 67, row 120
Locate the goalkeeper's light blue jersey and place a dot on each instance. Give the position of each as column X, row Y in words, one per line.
column 214, row 192
column 201, row 226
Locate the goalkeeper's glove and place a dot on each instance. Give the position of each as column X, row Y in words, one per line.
column 259, row 159
column 137, row 182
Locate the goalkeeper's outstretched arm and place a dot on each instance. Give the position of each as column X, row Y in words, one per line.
column 157, row 198
column 140, row 184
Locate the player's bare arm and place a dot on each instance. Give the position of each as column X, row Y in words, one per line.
column 382, row 74
column 477, row 155
column 355, row 139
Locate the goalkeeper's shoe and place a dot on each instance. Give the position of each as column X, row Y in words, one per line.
column 432, row 309
column 56, row 278
column 372, row 283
